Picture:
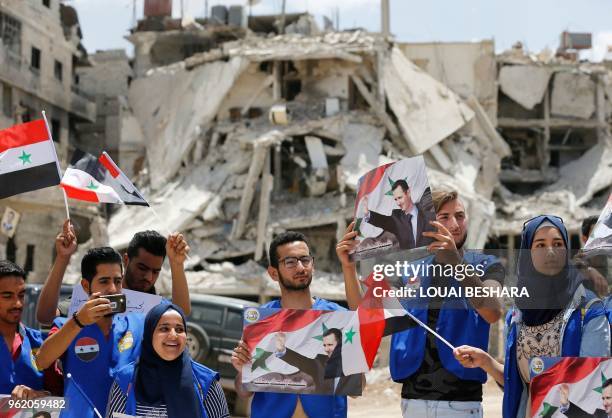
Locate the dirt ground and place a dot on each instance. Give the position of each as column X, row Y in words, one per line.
column 381, row 398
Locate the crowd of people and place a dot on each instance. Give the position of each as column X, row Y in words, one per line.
column 139, row 365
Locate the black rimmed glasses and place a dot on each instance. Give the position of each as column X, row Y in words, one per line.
column 292, row 262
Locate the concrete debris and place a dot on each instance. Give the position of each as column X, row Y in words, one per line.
column 175, row 105
column 427, row 111
column 586, row 175
column 573, row 95
column 525, row 84
column 352, row 101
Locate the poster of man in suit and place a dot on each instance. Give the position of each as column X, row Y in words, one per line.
column 393, row 208
column 324, row 369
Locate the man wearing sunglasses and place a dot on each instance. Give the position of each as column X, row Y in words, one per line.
column 291, row 266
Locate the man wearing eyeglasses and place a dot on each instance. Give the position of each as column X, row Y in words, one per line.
column 291, row 266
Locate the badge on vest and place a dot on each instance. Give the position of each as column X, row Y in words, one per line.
column 86, row 349
column 126, row 342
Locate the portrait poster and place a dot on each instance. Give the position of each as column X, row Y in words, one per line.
column 9, row 222
column 310, row 351
column 564, row 387
column 393, row 208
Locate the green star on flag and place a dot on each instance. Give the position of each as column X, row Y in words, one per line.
column 600, row 388
column 548, row 410
column 323, row 329
column 390, row 192
column 91, row 185
column 349, row 335
column 260, row 358
column 25, row 158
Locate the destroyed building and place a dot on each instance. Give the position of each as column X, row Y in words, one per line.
column 270, row 132
column 40, row 51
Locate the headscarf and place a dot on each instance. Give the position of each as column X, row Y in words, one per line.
column 165, row 382
column 548, row 295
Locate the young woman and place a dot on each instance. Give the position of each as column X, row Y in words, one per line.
column 559, row 318
column 166, row 382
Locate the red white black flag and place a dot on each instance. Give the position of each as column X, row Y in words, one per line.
column 99, row 181
column 27, row 159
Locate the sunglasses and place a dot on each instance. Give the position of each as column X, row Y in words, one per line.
column 540, row 216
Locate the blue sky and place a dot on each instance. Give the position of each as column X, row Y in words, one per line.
column 536, row 23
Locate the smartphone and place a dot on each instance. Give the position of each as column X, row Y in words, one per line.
column 118, row 302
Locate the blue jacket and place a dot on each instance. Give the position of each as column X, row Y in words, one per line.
column 282, row 405
column 23, row 370
column 92, row 360
column 585, row 333
column 459, row 323
column 203, row 377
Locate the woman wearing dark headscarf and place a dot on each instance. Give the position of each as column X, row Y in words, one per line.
column 559, row 318
column 166, row 382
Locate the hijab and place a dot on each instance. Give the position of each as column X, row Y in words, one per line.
column 548, row 295
column 165, row 382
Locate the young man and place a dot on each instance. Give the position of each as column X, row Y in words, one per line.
column 433, row 382
column 19, row 375
column 143, row 260
column 93, row 343
column 292, row 267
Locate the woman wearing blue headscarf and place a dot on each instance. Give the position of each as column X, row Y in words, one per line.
column 166, row 382
column 559, row 318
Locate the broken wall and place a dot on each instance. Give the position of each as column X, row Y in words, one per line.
column 177, row 106
column 467, row 68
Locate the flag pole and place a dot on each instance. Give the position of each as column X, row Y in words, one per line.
column 59, row 170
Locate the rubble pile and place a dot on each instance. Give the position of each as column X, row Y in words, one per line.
column 270, row 132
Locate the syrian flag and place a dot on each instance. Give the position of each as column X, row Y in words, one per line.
column 121, row 183
column 90, row 180
column 584, row 375
column 361, row 330
column 27, row 159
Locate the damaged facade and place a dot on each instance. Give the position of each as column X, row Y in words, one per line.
column 40, row 52
column 266, row 133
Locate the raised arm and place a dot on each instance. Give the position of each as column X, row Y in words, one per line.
column 59, row 341
column 65, row 246
column 177, row 250
column 352, row 288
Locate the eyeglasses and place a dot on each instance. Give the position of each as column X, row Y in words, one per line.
column 292, row 262
column 540, row 216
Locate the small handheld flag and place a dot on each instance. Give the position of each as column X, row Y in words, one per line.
column 27, row 159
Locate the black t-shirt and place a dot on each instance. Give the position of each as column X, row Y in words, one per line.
column 432, row 381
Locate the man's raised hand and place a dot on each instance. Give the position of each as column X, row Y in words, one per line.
column 66, row 241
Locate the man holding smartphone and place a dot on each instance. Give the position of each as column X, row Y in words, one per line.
column 93, row 343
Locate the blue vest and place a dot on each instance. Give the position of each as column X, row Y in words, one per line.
column 23, row 370
column 570, row 347
column 458, row 322
column 203, row 377
column 282, row 405
column 92, row 360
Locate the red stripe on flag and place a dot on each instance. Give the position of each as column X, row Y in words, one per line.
column 369, row 300
column 369, row 182
column 110, row 166
column 372, row 328
column 286, row 320
column 80, row 194
column 568, row 370
column 24, row 134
